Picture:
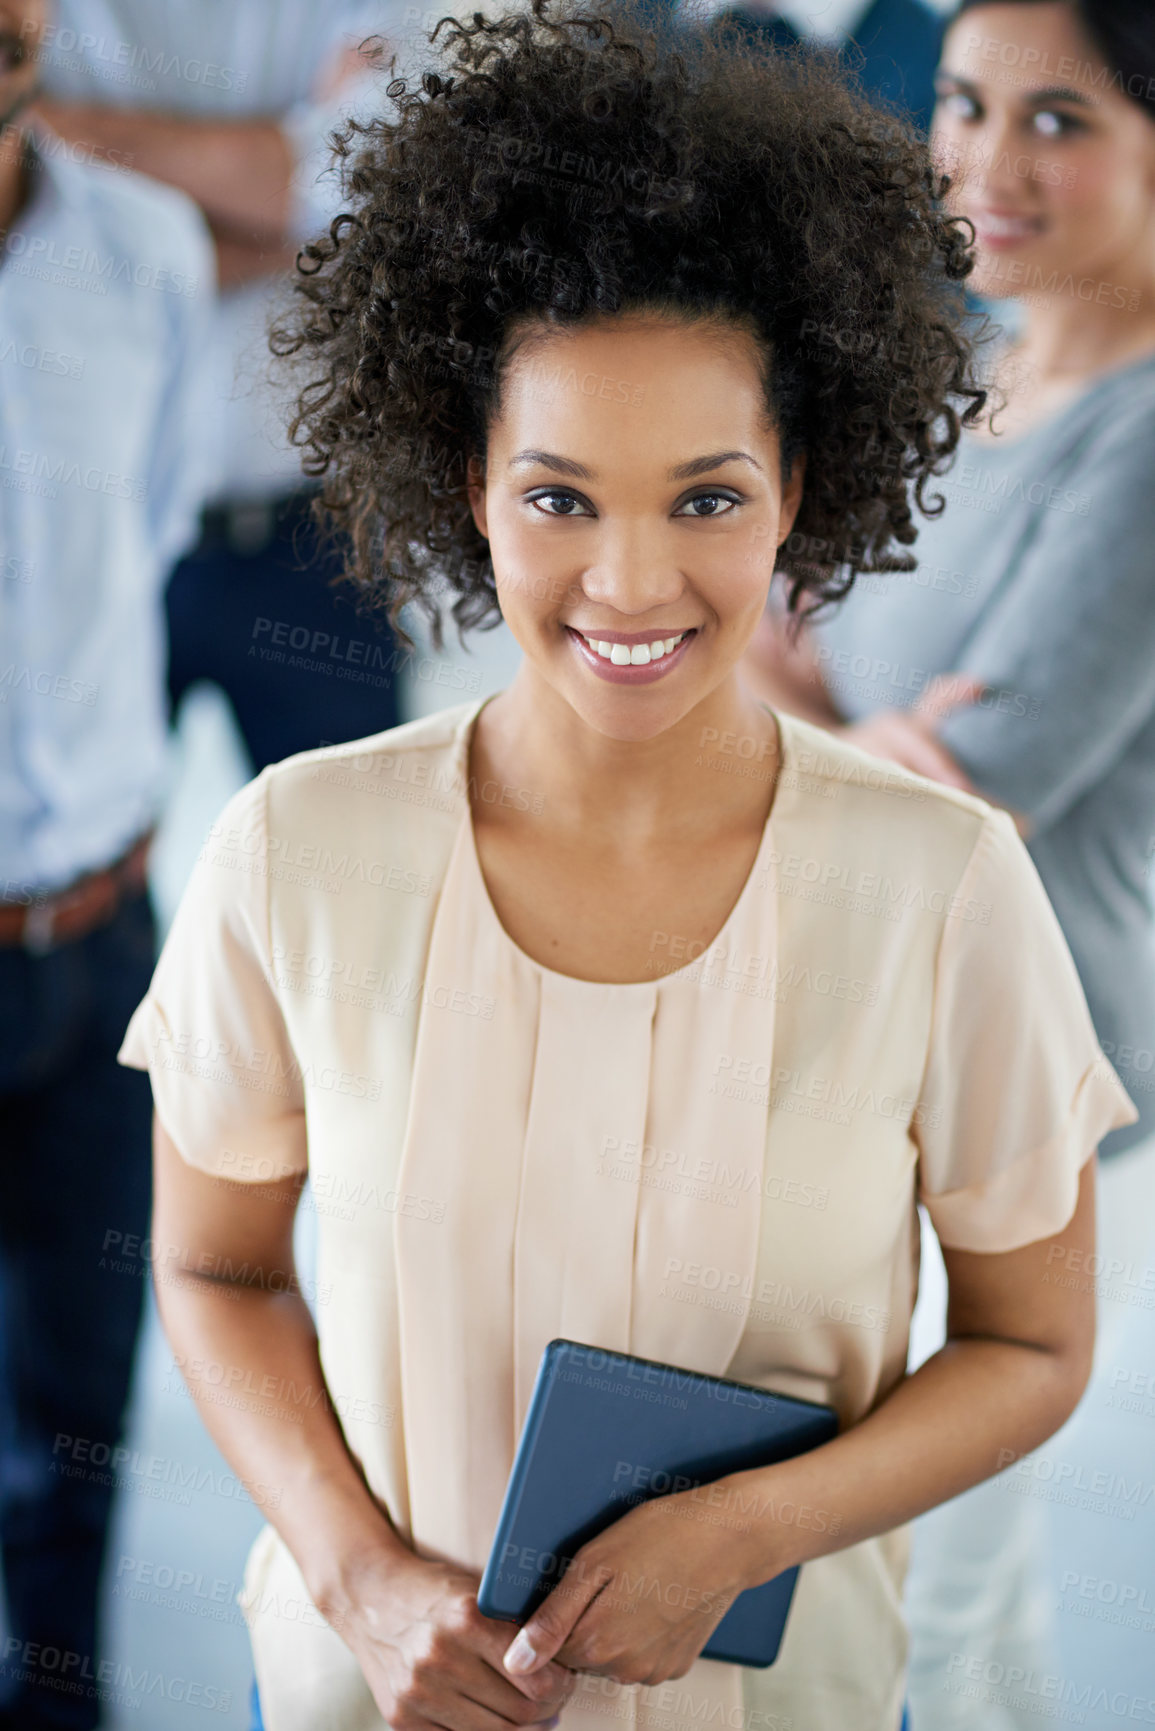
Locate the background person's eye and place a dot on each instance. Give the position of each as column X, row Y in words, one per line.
column 960, row 105
column 558, row 503
column 1052, row 124
column 713, row 505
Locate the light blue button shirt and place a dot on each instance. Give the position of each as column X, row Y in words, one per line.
column 236, row 59
column 106, row 289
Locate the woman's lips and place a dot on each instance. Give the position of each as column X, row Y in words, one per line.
column 630, row 674
column 999, row 231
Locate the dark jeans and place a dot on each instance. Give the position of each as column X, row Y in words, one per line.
column 298, row 664
column 75, row 1185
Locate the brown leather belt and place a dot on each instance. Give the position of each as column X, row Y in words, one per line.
column 63, row 916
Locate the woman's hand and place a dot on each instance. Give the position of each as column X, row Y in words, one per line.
column 907, row 736
column 431, row 1658
column 639, row 1602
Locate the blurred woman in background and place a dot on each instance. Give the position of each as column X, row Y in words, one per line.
column 1018, row 660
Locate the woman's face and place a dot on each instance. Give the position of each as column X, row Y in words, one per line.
column 1054, row 164
column 634, row 506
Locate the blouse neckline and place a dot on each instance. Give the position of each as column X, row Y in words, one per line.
column 480, row 889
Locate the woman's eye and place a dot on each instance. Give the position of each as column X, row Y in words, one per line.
column 559, row 505
column 707, row 505
column 961, row 106
column 1051, row 124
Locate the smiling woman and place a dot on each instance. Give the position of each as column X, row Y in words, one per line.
column 558, row 367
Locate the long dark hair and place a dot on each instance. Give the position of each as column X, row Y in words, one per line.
column 1123, row 32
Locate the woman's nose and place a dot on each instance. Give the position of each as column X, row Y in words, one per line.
column 989, row 163
column 632, row 571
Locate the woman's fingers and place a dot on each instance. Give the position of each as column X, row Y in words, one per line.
column 924, row 754
column 547, row 1631
column 947, row 691
column 905, row 741
column 433, row 1660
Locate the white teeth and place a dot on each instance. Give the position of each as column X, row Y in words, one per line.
column 1005, row 227
column 634, row 655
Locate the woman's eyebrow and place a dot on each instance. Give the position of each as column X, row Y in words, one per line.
column 703, row 465
column 549, row 460
column 683, row 471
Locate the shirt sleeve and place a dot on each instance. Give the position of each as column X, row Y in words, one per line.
column 1016, row 1092
column 1068, row 648
column 226, row 1082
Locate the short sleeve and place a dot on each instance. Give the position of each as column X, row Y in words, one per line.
column 226, row 1082
column 1016, row 1092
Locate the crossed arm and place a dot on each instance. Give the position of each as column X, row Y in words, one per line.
column 240, row 172
column 783, row 670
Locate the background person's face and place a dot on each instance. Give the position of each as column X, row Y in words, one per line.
column 628, row 548
column 21, row 27
column 1053, row 164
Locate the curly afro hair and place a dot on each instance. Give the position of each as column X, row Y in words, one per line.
column 564, row 163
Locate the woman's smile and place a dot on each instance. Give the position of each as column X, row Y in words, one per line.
column 630, row 657
column 649, row 564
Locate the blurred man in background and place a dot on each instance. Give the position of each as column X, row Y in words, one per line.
column 893, row 45
column 106, row 285
column 233, row 104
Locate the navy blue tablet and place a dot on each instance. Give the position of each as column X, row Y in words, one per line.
column 605, row 1431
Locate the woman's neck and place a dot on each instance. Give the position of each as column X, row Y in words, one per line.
column 1064, row 344
column 633, row 792
column 1069, row 336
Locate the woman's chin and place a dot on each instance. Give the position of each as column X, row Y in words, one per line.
column 631, row 716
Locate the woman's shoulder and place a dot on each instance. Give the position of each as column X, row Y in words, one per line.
column 859, row 803
column 356, row 806
column 419, row 764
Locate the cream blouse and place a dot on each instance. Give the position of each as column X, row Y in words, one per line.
column 717, row 1168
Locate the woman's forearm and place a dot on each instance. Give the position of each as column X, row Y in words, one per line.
column 964, row 1415
column 251, row 1362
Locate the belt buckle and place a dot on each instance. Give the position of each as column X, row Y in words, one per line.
column 39, row 923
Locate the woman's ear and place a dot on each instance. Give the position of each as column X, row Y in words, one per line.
column 475, row 487
column 791, row 497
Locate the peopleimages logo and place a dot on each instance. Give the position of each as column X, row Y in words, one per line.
column 103, row 52
column 86, row 263
column 74, row 1673
column 989, row 1679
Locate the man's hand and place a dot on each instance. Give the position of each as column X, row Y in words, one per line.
column 239, row 168
column 240, row 260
